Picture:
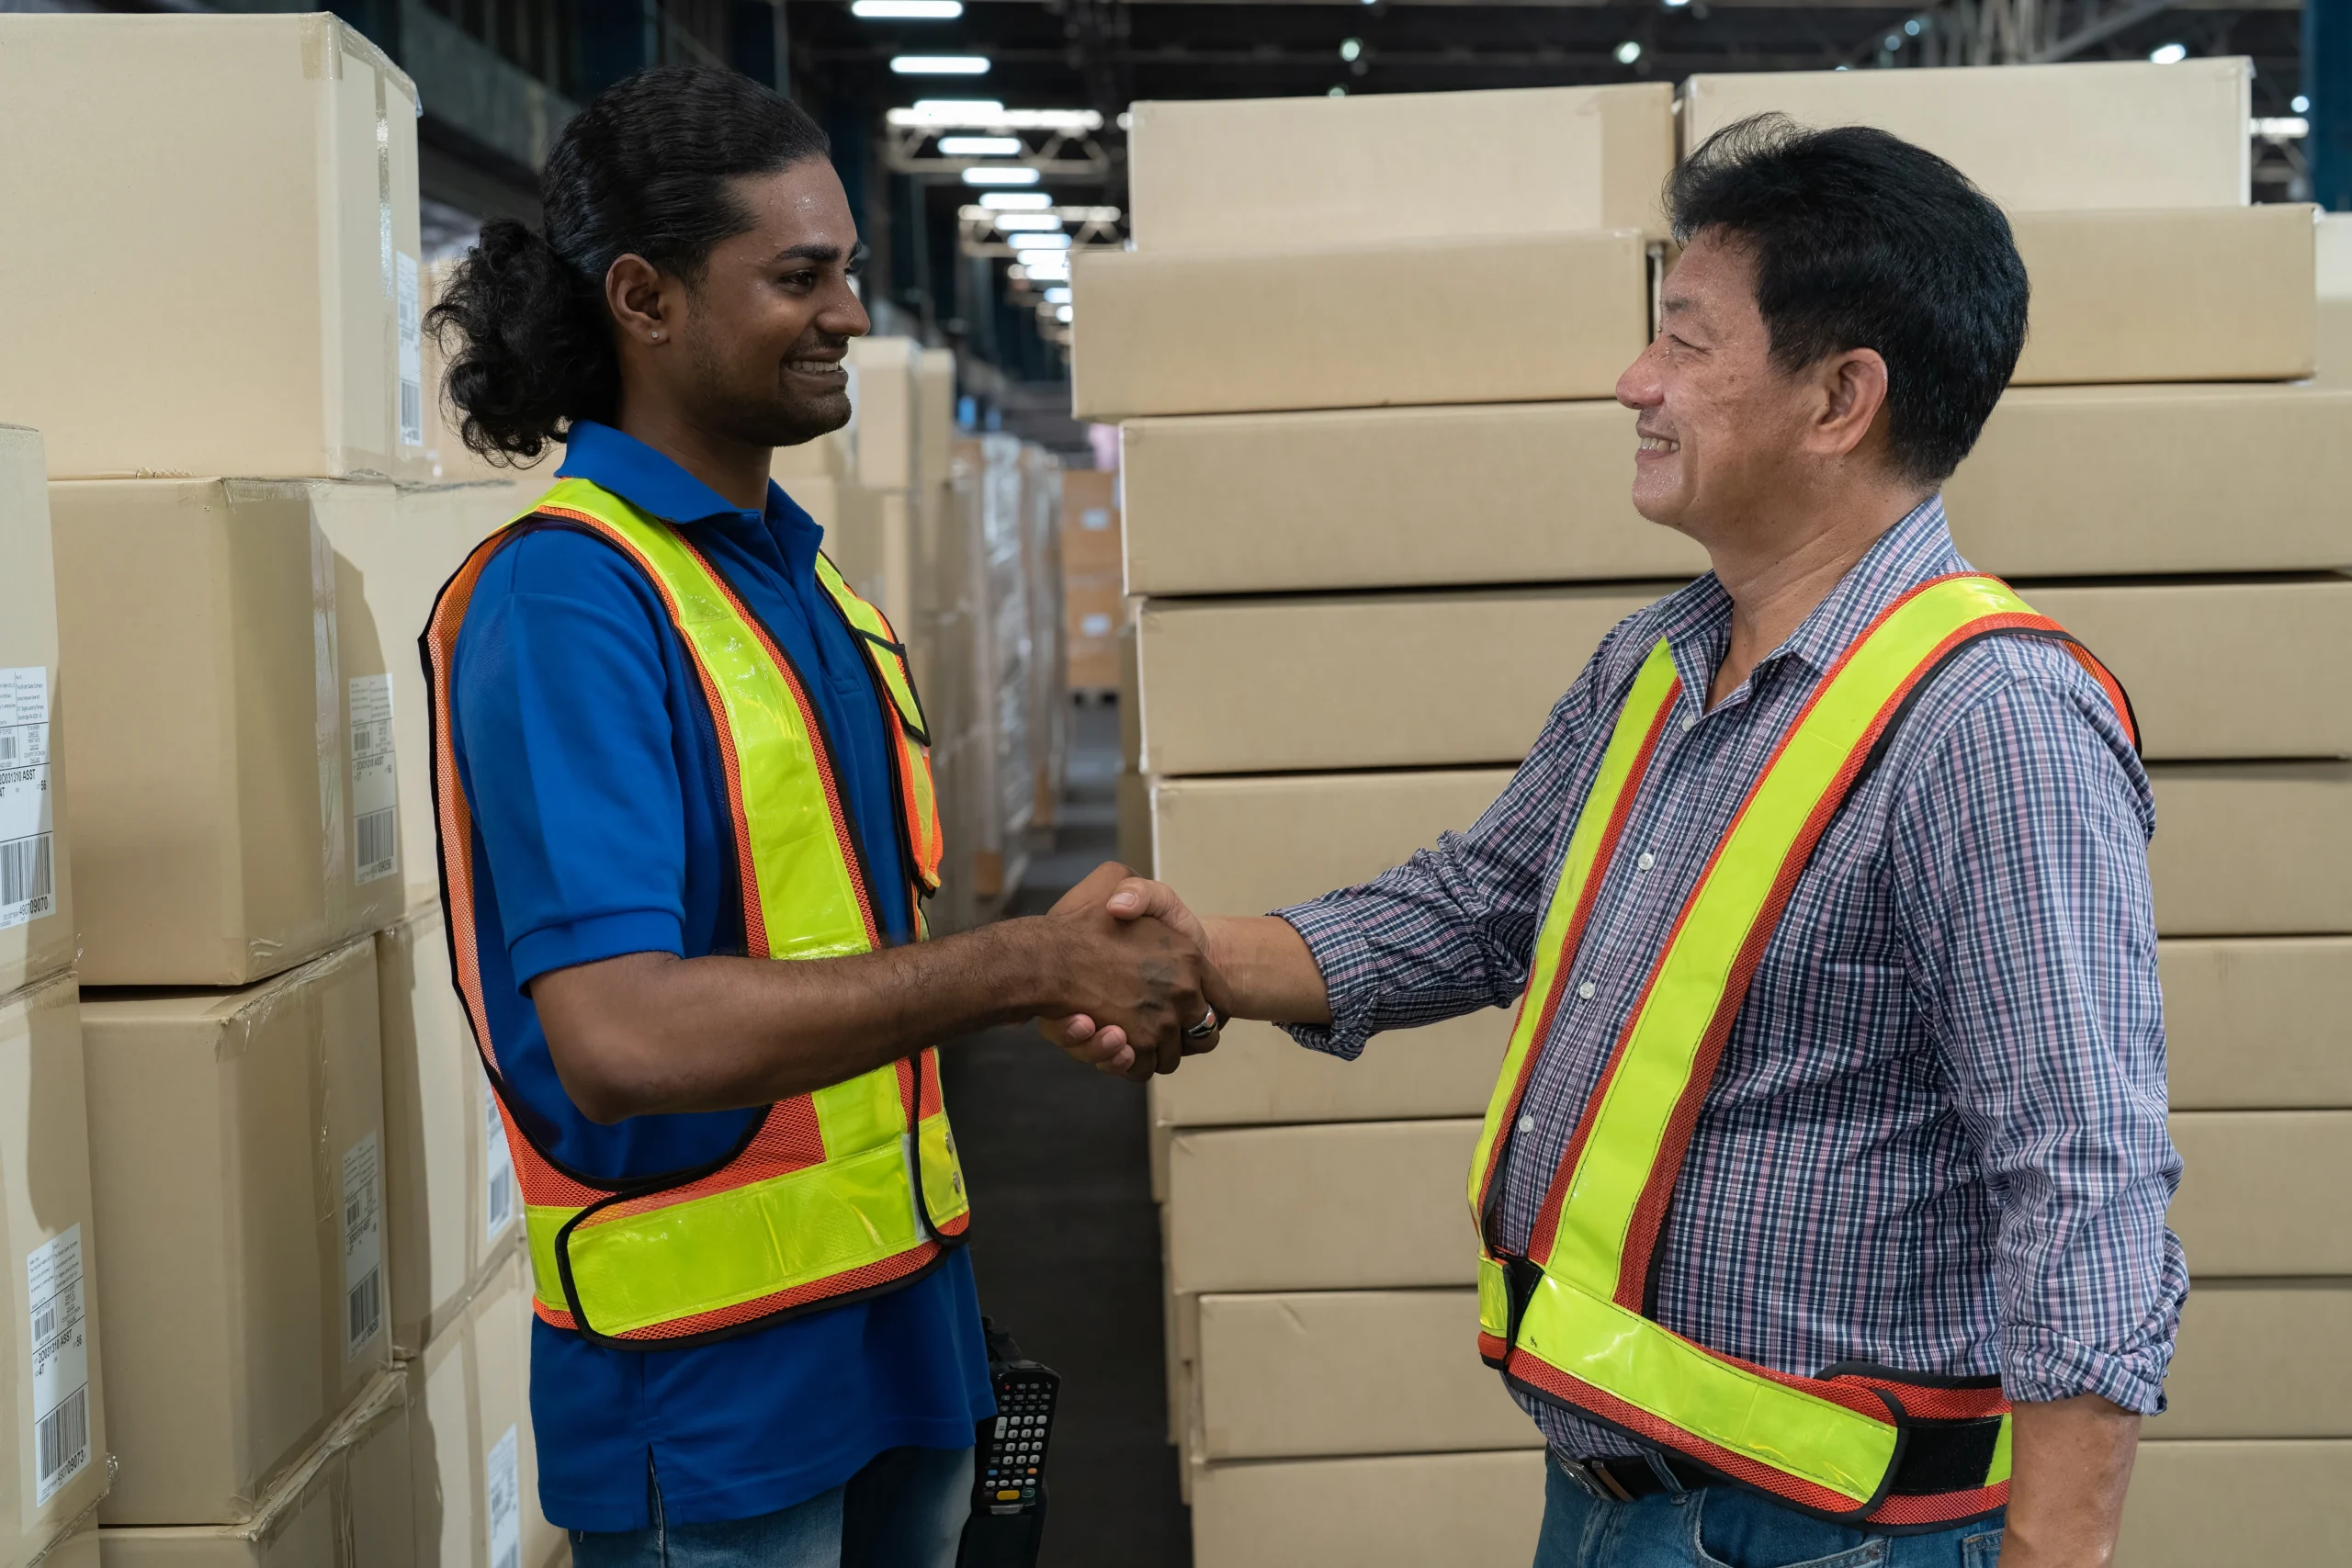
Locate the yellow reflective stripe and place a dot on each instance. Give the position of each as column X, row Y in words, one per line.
column 807, row 891
column 1494, row 1299
column 722, row 1249
column 1651, row 689
column 1592, row 1338
column 540, row 1221
column 1689, row 982
column 1999, row 1470
column 865, row 1112
column 943, row 1193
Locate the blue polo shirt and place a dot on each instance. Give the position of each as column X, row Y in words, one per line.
column 601, row 828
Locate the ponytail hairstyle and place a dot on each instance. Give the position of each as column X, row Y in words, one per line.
column 643, row 170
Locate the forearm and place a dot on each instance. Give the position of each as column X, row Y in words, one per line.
column 1267, row 969
column 2070, row 1466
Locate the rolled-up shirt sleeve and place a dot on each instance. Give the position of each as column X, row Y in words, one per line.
column 2019, row 853
column 1452, row 929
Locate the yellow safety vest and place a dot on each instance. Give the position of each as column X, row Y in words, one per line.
column 847, row 1191
column 1568, row 1323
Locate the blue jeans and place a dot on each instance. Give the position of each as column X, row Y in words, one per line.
column 1725, row 1526
column 905, row 1509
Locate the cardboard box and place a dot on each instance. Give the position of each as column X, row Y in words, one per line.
column 475, row 1462
column 1296, row 173
column 2332, row 234
column 1254, row 504
column 2253, row 849
column 1260, row 1075
column 348, row 1502
column 2244, row 1207
column 1090, row 533
column 1394, row 681
column 1369, row 1513
column 2244, row 1366
column 2066, row 481
column 390, row 565
column 1281, row 1377
column 1093, row 610
column 451, row 1203
column 2215, row 670
column 883, row 430
column 1362, row 1205
column 236, row 1145
column 2136, row 481
column 1525, row 319
column 231, row 817
column 1248, row 845
column 2193, row 1504
column 2180, row 294
column 2258, row 1024
column 2210, row 667
column 2262, row 1024
column 35, row 886
column 54, row 1464
column 2034, row 137
column 274, row 160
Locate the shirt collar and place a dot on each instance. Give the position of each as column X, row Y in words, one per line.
column 644, row 478
column 1915, row 550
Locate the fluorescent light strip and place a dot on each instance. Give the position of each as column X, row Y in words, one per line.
column 986, row 114
column 980, row 146
column 1018, row 201
column 1001, row 175
column 940, row 65
column 906, row 10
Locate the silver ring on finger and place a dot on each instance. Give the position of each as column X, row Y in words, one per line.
column 1210, row 1023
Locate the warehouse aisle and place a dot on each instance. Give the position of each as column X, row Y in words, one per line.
column 1065, row 1241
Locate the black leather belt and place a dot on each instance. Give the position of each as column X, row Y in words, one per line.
column 1622, row 1480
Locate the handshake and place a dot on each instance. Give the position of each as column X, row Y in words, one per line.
column 1137, row 976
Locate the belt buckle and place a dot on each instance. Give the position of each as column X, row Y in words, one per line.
column 1597, row 1483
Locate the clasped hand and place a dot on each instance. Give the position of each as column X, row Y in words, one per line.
column 1137, row 975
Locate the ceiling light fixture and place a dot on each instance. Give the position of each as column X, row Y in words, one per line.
column 979, row 146
column 1057, row 241
column 1020, row 223
column 1628, row 52
column 1057, row 296
column 940, row 65
column 906, row 10
column 2300, row 104
column 1063, row 312
column 986, row 114
column 1351, row 50
column 1018, row 201
column 1001, row 175
column 2168, row 54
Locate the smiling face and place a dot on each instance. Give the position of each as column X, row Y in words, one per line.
column 1724, row 431
column 764, row 329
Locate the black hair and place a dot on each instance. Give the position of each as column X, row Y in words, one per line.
column 1860, row 240
column 643, row 169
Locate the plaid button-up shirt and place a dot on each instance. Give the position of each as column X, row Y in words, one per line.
column 1936, row 1139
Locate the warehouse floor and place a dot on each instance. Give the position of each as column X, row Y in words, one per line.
column 1064, row 1239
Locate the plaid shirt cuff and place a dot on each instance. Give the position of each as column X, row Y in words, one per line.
column 2038, row 1365
column 1340, row 951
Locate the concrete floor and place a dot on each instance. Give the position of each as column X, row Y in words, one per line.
column 1064, row 1239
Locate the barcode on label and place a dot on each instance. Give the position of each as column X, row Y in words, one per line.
column 411, row 412
column 376, row 834
column 9, row 747
column 63, row 1437
column 25, row 873
column 44, row 1322
column 365, row 1310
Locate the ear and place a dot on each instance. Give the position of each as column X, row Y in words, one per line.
column 634, row 292
column 1853, row 390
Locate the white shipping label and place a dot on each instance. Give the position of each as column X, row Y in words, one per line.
column 498, row 1182
column 503, row 1494
column 363, row 1245
column 60, row 1365
column 375, row 781
column 411, row 352
column 28, row 843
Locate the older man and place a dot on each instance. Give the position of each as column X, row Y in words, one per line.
column 1821, row 1199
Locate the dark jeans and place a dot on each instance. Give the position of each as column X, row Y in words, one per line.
column 905, row 1509
column 1724, row 1526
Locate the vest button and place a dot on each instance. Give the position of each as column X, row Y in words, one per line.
column 1690, row 722
column 1645, row 862
column 1585, row 991
column 1527, row 1123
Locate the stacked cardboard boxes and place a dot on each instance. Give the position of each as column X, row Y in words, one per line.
column 247, row 538
column 1289, row 744
column 1094, row 596
column 54, row 1444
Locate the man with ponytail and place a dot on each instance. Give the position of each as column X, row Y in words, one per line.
column 672, row 748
